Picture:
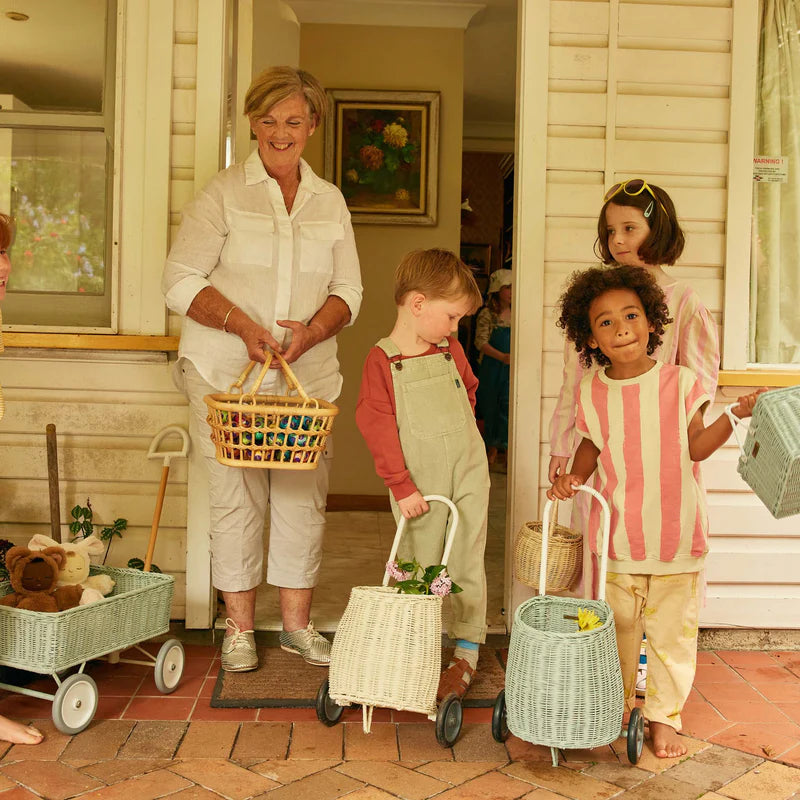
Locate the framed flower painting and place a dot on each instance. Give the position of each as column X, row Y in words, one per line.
column 382, row 151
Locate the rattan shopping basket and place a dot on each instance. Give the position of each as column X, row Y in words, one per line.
column 564, row 686
column 269, row 431
column 387, row 651
column 770, row 459
column 564, row 561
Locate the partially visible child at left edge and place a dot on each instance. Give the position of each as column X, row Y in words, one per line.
column 642, row 426
column 416, row 413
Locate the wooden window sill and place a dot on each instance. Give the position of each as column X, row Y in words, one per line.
column 770, row 378
column 90, row 341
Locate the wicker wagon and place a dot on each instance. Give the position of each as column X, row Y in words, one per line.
column 770, row 459
column 136, row 610
column 564, row 686
column 387, row 652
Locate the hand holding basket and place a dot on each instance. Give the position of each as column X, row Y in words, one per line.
column 269, row 431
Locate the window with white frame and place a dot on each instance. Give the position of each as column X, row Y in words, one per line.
column 57, row 77
column 775, row 254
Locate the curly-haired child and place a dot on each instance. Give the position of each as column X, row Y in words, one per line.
column 642, row 431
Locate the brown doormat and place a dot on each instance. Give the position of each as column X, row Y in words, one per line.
column 284, row 680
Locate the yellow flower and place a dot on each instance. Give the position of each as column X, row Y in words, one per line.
column 395, row 135
column 351, row 175
column 588, row 620
column 371, row 157
column 402, row 194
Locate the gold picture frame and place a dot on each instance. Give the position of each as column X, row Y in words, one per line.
column 382, row 151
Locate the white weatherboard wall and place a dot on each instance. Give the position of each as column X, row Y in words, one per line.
column 644, row 90
column 108, row 406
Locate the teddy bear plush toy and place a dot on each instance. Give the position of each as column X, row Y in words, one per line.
column 75, row 572
column 34, row 578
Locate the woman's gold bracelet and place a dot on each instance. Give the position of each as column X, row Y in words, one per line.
column 225, row 321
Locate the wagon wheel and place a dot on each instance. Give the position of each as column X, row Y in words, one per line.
column 169, row 666
column 500, row 718
column 448, row 720
column 635, row 735
column 74, row 703
column 328, row 712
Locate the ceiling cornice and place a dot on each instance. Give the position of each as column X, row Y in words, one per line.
column 397, row 13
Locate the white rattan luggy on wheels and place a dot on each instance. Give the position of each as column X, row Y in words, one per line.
column 564, row 686
column 770, row 459
column 387, row 650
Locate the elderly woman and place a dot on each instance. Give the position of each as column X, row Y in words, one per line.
column 265, row 257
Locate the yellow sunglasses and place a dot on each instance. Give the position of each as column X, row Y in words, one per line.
column 633, row 188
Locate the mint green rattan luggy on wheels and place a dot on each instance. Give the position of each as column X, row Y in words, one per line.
column 564, row 686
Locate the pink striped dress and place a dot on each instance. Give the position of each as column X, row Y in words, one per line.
column 640, row 426
column 690, row 340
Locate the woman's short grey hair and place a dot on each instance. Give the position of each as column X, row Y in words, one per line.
column 276, row 84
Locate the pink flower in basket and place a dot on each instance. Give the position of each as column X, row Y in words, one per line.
column 395, row 571
column 441, row 584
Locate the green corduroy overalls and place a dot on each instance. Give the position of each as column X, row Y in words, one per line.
column 444, row 454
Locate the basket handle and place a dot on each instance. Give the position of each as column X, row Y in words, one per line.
column 603, row 546
column 735, row 423
column 288, row 374
column 450, row 533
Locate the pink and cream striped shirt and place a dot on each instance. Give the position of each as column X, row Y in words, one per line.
column 640, row 426
column 689, row 340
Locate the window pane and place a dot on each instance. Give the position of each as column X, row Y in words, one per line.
column 775, row 278
column 58, row 199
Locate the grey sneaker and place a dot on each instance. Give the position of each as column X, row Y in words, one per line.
column 238, row 650
column 314, row 647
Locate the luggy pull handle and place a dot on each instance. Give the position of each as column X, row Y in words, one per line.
column 448, row 545
column 735, row 423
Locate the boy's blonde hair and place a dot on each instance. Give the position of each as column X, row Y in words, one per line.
column 438, row 274
column 6, row 231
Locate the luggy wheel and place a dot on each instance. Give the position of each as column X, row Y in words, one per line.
column 74, row 703
column 500, row 718
column 169, row 666
column 328, row 712
column 448, row 720
column 635, row 735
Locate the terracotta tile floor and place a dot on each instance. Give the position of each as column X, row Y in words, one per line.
column 742, row 720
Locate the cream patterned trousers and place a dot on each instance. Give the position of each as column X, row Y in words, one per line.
column 665, row 607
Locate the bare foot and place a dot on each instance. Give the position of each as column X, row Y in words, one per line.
column 666, row 741
column 17, row 733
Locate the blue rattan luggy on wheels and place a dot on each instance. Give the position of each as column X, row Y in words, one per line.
column 564, row 686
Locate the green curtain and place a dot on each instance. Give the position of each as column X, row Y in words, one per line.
column 775, row 259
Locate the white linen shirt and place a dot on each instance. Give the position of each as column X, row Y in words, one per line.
column 237, row 236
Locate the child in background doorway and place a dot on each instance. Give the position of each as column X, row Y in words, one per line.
column 10, row 730
column 493, row 343
column 637, row 226
column 416, row 412
column 641, row 428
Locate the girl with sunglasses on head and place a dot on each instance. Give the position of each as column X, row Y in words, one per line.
column 638, row 227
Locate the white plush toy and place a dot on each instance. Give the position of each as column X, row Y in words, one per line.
column 76, row 569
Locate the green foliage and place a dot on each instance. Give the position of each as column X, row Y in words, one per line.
column 83, row 526
column 419, row 579
column 59, row 207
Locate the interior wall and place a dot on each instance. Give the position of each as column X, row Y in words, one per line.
column 276, row 35
column 391, row 58
column 482, row 184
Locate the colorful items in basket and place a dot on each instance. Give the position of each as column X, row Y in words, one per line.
column 588, row 620
column 413, row 578
column 34, row 579
column 269, row 431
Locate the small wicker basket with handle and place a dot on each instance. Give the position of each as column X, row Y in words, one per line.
column 565, row 555
column 387, row 651
column 269, row 431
